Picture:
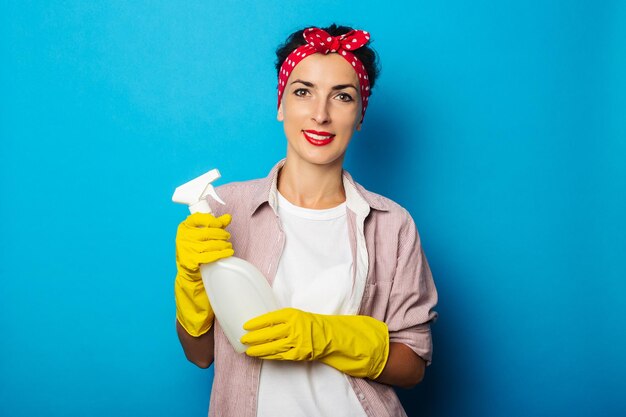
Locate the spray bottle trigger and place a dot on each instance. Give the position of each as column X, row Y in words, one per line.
column 210, row 190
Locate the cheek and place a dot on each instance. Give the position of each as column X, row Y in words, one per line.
column 296, row 107
column 292, row 124
column 351, row 120
column 295, row 115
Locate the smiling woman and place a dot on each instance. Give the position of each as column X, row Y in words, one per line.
column 346, row 265
column 322, row 106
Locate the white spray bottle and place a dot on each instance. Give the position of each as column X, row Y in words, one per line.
column 237, row 290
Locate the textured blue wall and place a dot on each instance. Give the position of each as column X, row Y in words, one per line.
column 500, row 125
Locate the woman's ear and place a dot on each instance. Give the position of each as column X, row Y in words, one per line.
column 279, row 116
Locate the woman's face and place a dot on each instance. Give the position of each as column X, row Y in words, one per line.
column 320, row 109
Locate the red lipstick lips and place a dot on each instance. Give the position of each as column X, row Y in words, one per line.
column 318, row 138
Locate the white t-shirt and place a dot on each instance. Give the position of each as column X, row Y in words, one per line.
column 314, row 275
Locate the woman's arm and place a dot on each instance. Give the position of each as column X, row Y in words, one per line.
column 198, row 350
column 404, row 368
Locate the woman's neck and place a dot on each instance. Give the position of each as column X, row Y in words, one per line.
column 312, row 186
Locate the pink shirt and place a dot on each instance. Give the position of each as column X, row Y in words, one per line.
column 392, row 283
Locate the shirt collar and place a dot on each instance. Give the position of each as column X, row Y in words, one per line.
column 358, row 199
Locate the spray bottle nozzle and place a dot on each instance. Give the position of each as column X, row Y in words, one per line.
column 193, row 193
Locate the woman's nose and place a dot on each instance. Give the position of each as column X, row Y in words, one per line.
column 321, row 113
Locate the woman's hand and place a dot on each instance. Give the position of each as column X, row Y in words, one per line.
column 200, row 239
column 355, row 345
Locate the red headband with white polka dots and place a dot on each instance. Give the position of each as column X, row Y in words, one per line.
column 319, row 41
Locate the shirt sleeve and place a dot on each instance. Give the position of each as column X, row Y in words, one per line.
column 413, row 295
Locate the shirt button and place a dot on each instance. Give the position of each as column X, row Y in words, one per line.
column 361, row 396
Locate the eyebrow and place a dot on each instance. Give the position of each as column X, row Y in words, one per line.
column 336, row 87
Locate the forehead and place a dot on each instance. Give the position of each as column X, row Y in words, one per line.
column 321, row 69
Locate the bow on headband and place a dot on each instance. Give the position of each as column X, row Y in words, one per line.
column 319, row 41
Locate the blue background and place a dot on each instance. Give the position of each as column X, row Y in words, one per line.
column 500, row 125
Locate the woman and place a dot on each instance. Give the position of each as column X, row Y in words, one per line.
column 346, row 264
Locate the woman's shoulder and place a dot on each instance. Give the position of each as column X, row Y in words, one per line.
column 397, row 220
column 240, row 187
column 238, row 195
column 382, row 204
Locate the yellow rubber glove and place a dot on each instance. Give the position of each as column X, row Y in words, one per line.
column 200, row 239
column 355, row 345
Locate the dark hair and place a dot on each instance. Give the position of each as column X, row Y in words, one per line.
column 366, row 54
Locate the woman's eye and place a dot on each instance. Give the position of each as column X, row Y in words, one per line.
column 301, row 92
column 344, row 97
